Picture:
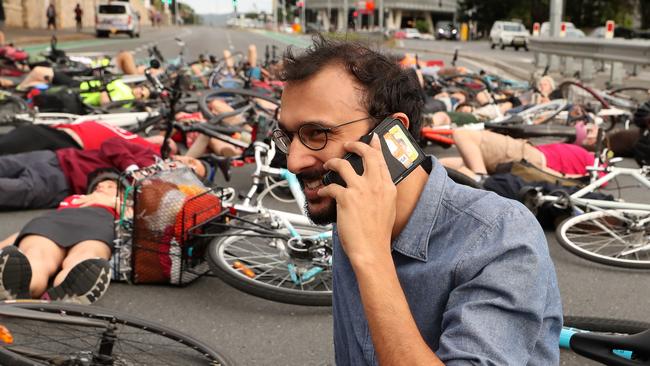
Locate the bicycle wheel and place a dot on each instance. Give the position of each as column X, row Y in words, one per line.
column 260, row 264
column 605, row 325
column 55, row 334
column 615, row 237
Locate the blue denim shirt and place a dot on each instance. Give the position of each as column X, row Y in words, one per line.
column 477, row 276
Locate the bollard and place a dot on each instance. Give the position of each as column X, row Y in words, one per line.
column 569, row 66
column 587, row 72
column 617, row 74
column 554, row 62
column 635, row 70
column 540, row 59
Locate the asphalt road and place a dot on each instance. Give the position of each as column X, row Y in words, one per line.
column 253, row 331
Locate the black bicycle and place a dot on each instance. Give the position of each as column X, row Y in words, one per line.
column 48, row 333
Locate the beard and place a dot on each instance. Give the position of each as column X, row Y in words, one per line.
column 326, row 213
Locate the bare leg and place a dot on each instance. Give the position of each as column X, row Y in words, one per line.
column 252, row 55
column 222, row 148
column 80, row 252
column 468, row 143
column 9, row 241
column 199, row 146
column 45, row 258
column 218, row 106
column 39, row 75
column 457, row 164
column 2, row 38
column 230, row 63
column 125, row 61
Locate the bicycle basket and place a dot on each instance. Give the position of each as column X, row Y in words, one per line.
column 170, row 206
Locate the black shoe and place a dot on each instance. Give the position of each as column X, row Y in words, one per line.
column 85, row 284
column 15, row 274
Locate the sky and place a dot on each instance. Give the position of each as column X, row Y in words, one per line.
column 225, row 6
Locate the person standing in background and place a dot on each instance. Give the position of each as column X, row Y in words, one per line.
column 78, row 16
column 51, row 16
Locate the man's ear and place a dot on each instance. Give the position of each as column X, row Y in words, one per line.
column 403, row 118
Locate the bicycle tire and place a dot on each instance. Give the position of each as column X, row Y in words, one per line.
column 207, row 113
column 614, row 241
column 31, row 347
column 606, row 325
column 11, row 105
column 222, row 254
column 461, row 178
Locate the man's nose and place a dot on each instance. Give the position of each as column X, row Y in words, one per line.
column 299, row 157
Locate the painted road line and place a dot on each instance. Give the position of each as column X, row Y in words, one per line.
column 94, row 42
column 285, row 38
column 230, row 45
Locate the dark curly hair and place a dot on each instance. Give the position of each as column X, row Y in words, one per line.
column 387, row 87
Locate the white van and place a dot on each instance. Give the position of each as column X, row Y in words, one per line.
column 509, row 34
column 117, row 17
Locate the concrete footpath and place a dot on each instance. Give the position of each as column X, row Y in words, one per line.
column 21, row 37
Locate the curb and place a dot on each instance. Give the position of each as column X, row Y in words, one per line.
column 31, row 40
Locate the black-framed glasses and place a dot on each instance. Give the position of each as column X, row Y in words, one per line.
column 313, row 135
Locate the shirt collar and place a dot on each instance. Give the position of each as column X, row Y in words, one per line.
column 413, row 241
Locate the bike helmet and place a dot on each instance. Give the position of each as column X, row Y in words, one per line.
column 641, row 116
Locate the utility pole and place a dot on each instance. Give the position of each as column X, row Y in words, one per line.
column 275, row 15
column 345, row 16
column 176, row 15
column 555, row 18
column 329, row 15
column 304, row 16
column 555, row 21
column 381, row 16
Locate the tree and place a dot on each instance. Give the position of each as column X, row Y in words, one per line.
column 645, row 13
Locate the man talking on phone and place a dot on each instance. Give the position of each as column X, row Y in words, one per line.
column 427, row 272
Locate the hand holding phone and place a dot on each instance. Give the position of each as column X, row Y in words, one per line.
column 401, row 153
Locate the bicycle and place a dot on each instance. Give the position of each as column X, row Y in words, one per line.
column 273, row 254
column 44, row 333
column 607, row 232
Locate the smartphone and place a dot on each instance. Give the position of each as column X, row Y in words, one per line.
column 401, row 152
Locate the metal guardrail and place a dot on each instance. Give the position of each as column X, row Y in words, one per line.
column 548, row 52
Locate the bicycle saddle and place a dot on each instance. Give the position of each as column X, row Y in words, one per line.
column 599, row 347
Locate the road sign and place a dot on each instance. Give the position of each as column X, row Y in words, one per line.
column 609, row 29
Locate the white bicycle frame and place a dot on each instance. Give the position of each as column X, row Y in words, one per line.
column 114, row 119
column 262, row 170
column 576, row 198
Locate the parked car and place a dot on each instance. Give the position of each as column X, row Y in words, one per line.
column 509, row 34
column 117, row 17
column 397, row 34
column 412, row 33
column 571, row 30
column 446, row 30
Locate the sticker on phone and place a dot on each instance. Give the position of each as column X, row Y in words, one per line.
column 400, row 146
